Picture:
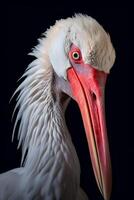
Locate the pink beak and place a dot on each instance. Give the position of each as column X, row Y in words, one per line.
column 88, row 87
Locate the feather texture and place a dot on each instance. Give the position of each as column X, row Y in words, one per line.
column 46, row 144
column 50, row 167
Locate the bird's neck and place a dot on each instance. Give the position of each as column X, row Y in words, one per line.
column 43, row 133
column 51, row 143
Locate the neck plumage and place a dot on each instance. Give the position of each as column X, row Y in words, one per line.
column 43, row 135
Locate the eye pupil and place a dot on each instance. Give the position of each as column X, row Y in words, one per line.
column 75, row 55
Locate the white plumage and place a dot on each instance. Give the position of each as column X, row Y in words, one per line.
column 51, row 168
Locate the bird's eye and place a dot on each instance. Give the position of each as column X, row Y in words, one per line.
column 76, row 55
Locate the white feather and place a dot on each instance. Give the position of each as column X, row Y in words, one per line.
column 51, row 169
column 87, row 34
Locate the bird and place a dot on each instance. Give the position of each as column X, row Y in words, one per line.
column 71, row 61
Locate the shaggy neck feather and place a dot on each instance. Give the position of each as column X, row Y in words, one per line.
column 42, row 132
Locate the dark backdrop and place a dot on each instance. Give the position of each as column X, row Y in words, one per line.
column 24, row 25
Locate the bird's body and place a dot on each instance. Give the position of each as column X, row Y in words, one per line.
column 51, row 169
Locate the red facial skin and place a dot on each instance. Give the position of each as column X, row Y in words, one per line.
column 88, row 84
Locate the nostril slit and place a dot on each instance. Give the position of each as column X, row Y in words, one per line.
column 93, row 96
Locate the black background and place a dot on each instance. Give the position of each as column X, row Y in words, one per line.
column 24, row 24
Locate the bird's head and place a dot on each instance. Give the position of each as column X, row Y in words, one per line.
column 81, row 54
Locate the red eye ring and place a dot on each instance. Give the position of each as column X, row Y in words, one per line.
column 75, row 55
